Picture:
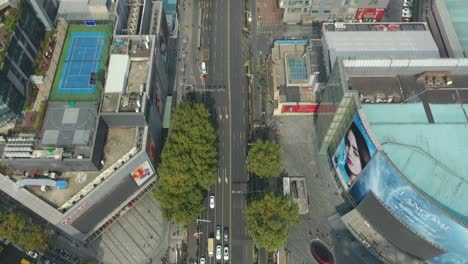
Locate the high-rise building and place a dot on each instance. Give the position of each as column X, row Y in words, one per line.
column 17, row 61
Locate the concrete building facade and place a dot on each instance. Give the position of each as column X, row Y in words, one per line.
column 308, row 11
column 20, row 56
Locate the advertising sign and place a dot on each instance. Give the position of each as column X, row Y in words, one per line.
column 354, row 152
column 412, row 209
column 73, row 216
column 142, row 173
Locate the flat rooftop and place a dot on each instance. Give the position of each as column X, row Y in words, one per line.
column 410, row 89
column 371, row 41
column 428, row 143
column 457, row 10
column 393, row 26
column 119, row 142
column 69, row 124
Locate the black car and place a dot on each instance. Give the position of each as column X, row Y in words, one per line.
column 226, row 234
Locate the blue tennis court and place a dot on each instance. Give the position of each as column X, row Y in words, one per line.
column 82, row 63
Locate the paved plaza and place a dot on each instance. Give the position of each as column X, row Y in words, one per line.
column 300, row 160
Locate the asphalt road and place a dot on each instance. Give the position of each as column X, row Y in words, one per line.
column 225, row 92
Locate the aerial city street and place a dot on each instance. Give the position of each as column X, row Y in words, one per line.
column 233, row 131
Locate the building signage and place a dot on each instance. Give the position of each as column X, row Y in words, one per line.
column 72, row 217
column 142, row 173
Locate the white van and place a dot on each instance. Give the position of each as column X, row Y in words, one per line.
column 203, row 68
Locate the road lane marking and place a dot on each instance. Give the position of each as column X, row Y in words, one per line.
column 229, row 122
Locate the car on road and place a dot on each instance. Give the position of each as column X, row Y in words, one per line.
column 203, row 68
column 202, row 261
column 406, row 12
column 226, row 234
column 218, row 232
column 226, row 253
column 212, row 201
column 408, row 3
column 218, row 252
column 32, row 254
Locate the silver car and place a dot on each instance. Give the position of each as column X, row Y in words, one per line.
column 218, row 232
column 218, row 252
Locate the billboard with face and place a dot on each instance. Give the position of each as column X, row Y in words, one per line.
column 412, row 209
column 354, row 152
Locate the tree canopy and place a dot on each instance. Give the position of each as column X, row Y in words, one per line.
column 265, row 158
column 188, row 162
column 269, row 220
column 15, row 228
column 180, row 200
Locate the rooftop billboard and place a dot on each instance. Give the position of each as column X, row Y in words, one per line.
column 354, row 152
column 412, row 209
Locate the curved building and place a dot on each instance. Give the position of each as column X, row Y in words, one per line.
column 397, row 146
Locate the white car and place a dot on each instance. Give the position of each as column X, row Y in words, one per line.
column 226, row 253
column 203, row 68
column 218, row 252
column 202, row 261
column 407, row 3
column 212, row 201
column 406, row 13
column 32, row 254
column 218, row 232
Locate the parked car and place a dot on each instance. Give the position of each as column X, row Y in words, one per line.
column 32, row 254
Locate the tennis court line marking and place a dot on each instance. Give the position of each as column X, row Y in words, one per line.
column 98, row 42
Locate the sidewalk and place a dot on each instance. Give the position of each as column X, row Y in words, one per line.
column 269, row 13
column 178, row 236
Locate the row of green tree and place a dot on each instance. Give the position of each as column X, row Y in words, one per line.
column 188, row 163
column 15, row 228
column 269, row 218
column 188, row 169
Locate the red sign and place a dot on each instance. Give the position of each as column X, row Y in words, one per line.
column 311, row 108
column 366, row 14
column 80, row 210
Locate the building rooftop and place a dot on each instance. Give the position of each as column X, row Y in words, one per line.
column 377, row 41
column 428, row 143
column 117, row 73
column 69, row 124
column 119, row 142
column 457, row 10
column 393, row 26
column 427, row 87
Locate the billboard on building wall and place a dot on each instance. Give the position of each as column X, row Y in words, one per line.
column 412, row 209
column 354, row 152
column 142, row 173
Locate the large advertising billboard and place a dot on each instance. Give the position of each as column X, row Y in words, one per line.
column 412, row 209
column 141, row 174
column 354, row 152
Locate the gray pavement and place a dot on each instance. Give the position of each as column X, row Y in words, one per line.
column 224, row 92
column 139, row 236
column 300, row 160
